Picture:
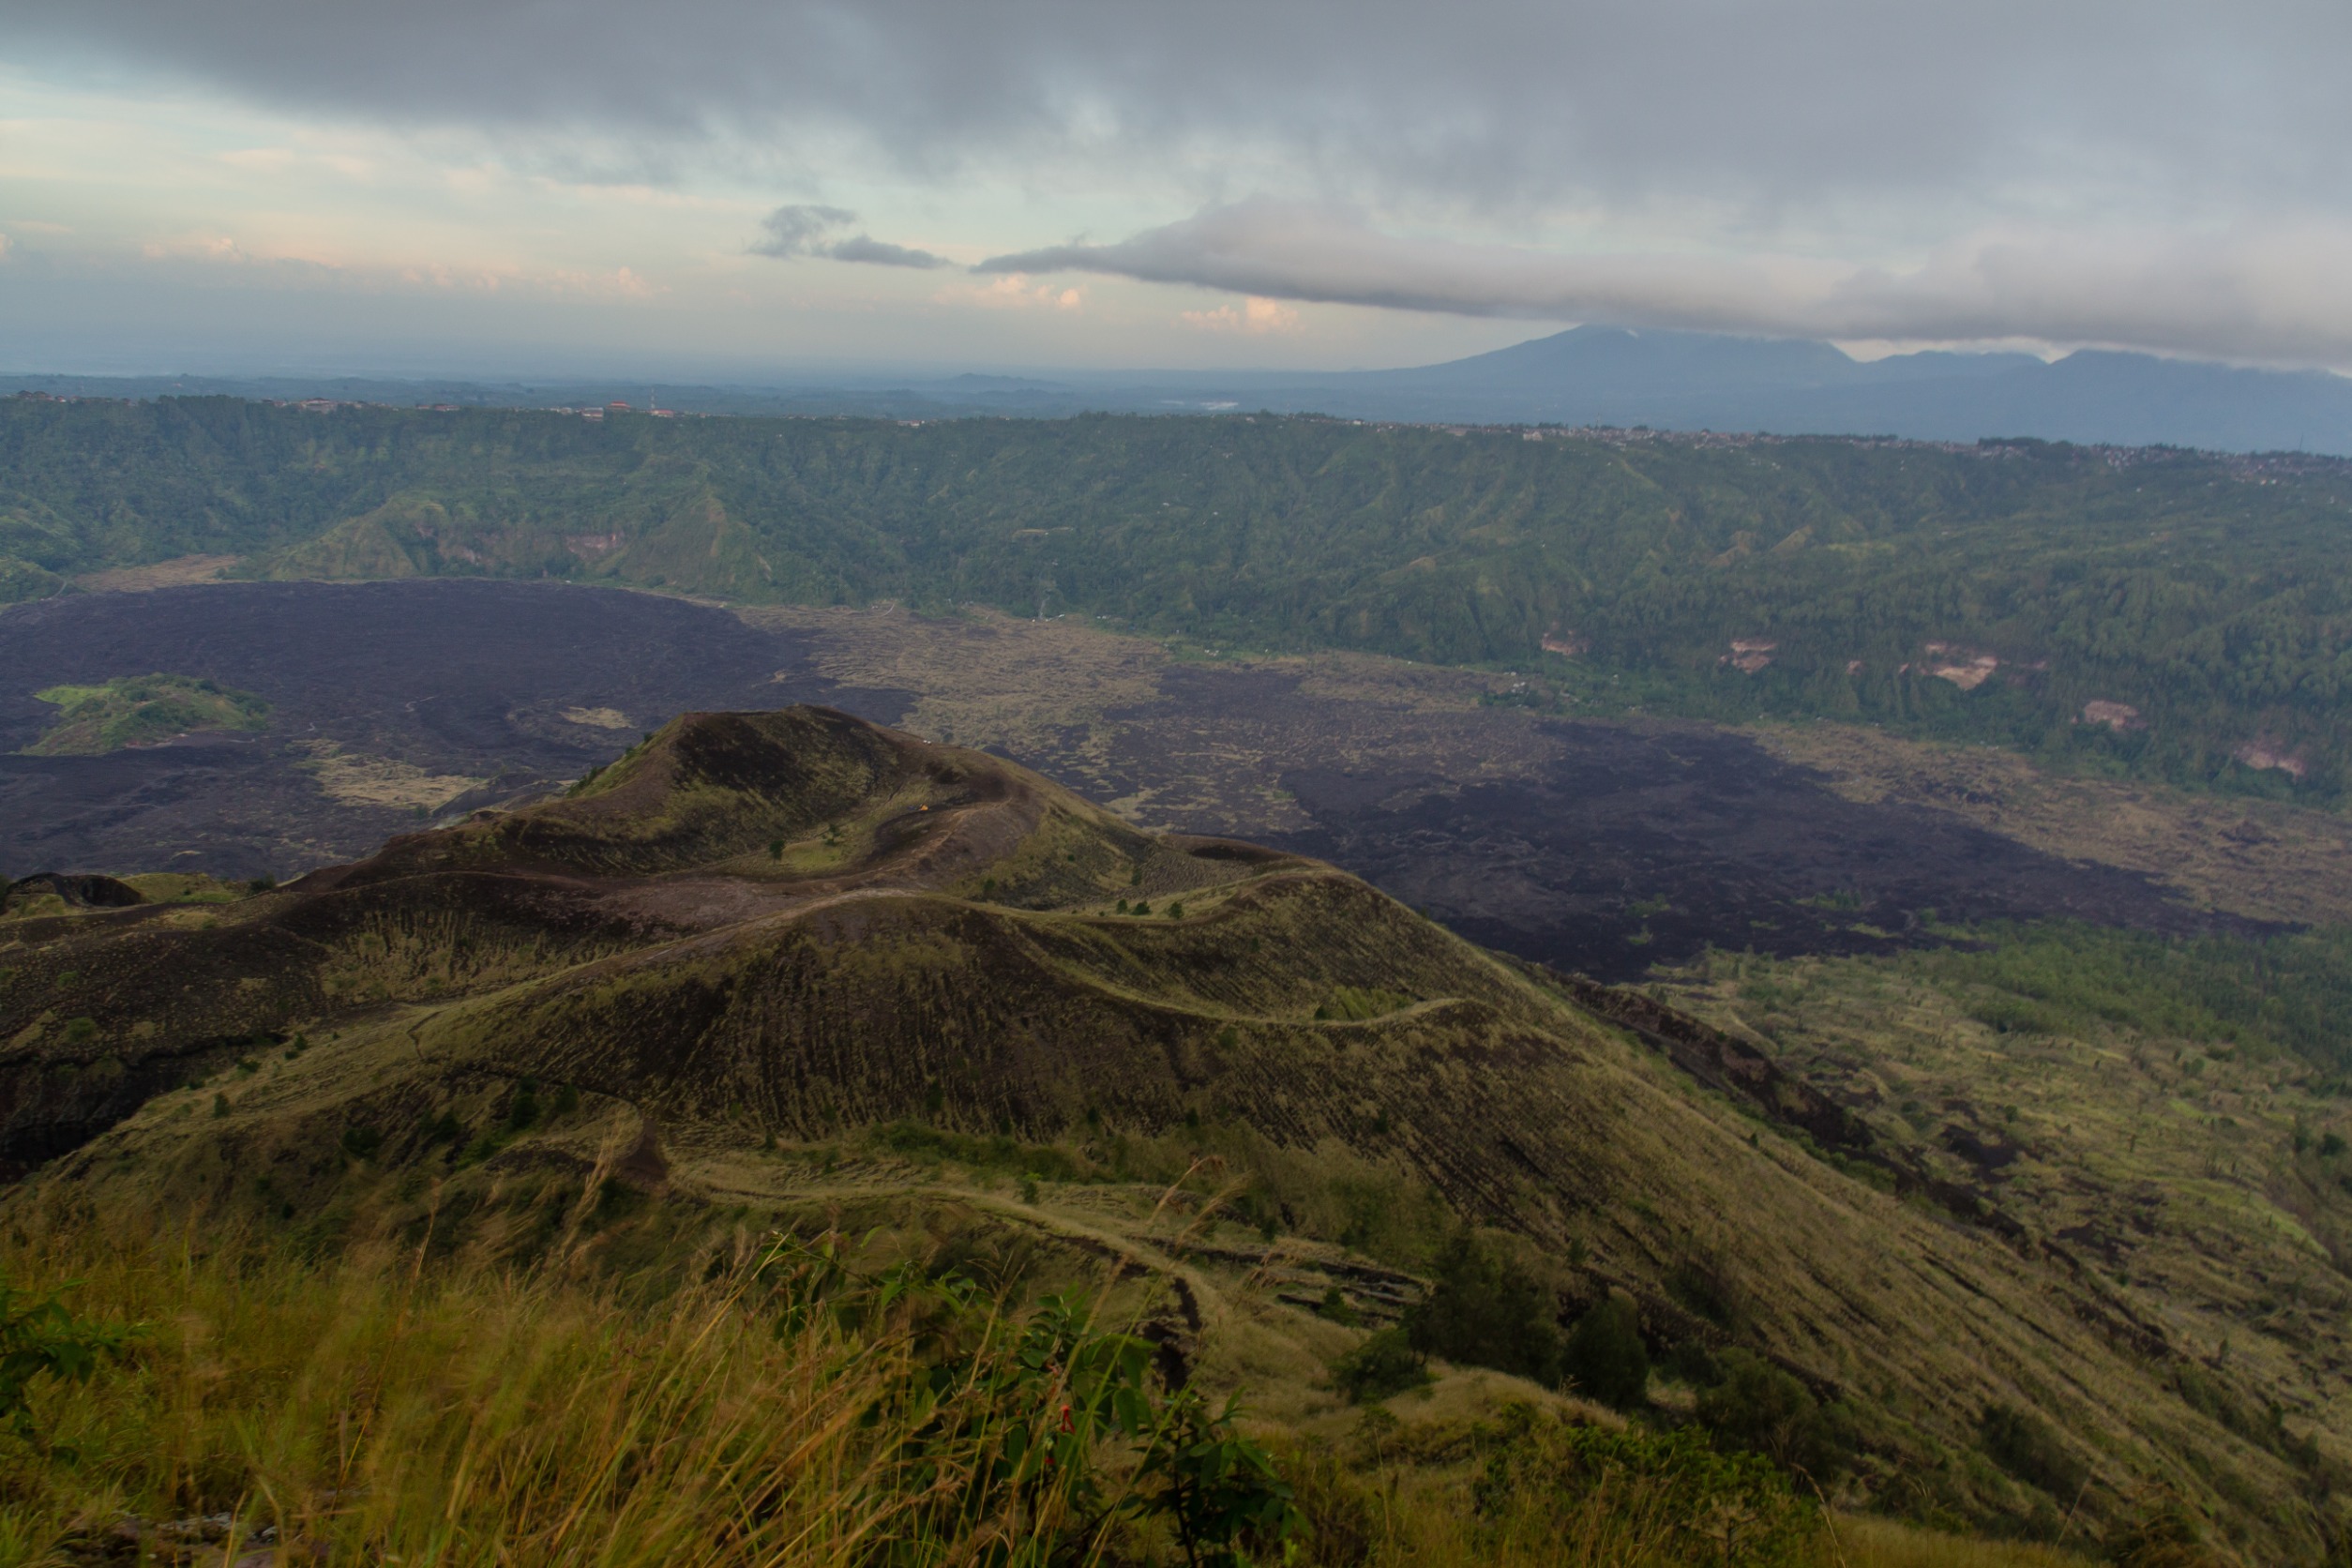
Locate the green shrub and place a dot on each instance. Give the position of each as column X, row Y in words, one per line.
column 1672, row 1497
column 362, row 1142
column 1766, row 1411
column 81, row 1030
column 1604, row 1357
column 1385, row 1365
column 1484, row 1309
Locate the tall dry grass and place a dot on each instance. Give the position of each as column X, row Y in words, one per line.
column 378, row 1412
column 382, row 1414
column 1864, row 1542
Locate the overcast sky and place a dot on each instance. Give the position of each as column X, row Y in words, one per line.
column 748, row 187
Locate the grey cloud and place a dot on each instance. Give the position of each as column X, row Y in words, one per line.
column 801, row 230
column 1790, row 130
column 796, row 230
column 2264, row 295
column 865, row 248
column 1750, row 104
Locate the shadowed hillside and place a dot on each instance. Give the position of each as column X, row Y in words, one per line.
column 780, row 963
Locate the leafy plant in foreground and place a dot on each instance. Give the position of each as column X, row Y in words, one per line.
column 41, row 1338
column 1218, row 1488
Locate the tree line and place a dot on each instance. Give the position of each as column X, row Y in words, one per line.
column 2160, row 613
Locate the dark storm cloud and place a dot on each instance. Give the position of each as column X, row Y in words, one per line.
column 801, row 230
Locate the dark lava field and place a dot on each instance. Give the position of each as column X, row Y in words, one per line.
column 453, row 677
column 1644, row 847
column 1611, row 848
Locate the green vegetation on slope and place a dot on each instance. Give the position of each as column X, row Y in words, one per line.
column 2164, row 1120
column 1994, row 593
column 142, row 710
column 2283, row 994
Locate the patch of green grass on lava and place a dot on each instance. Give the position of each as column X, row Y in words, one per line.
column 142, row 710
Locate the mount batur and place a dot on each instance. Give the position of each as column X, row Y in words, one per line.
column 793, row 970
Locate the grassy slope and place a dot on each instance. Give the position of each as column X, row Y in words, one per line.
column 725, row 1049
column 2186, row 1166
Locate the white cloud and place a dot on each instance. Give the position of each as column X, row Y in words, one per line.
column 1256, row 317
column 1015, row 291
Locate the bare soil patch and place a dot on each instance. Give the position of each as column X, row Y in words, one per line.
column 178, row 572
column 356, row 780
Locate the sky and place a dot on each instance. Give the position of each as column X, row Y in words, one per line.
column 748, row 190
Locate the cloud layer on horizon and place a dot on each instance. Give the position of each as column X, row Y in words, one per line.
column 2274, row 297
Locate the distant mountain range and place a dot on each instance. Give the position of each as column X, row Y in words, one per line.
column 1591, row 375
column 1695, row 380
